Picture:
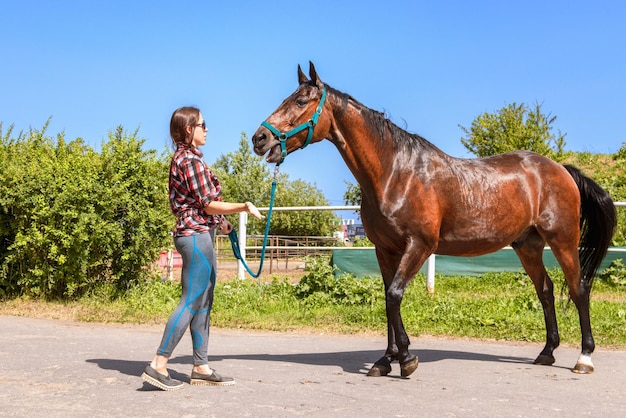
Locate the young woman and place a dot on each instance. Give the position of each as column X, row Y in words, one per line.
column 195, row 200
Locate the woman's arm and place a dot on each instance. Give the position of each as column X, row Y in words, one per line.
column 227, row 208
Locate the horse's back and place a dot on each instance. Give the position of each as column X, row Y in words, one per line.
column 516, row 173
column 493, row 201
column 518, row 161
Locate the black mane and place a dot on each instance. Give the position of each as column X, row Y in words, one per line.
column 402, row 140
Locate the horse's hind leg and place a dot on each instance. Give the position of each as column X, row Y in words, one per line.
column 530, row 253
column 579, row 291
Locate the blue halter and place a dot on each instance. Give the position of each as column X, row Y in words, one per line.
column 310, row 125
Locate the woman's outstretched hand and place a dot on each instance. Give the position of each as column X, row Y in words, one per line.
column 252, row 210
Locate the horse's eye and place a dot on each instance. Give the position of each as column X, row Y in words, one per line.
column 301, row 102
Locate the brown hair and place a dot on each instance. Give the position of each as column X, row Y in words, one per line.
column 181, row 119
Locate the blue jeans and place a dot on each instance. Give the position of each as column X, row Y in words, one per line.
column 194, row 310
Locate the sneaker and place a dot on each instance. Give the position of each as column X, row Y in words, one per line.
column 212, row 379
column 160, row 381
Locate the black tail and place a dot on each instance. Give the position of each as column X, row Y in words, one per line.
column 598, row 219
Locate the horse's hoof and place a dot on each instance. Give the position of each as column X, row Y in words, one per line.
column 409, row 366
column 583, row 369
column 544, row 360
column 378, row 371
column 381, row 368
column 583, row 365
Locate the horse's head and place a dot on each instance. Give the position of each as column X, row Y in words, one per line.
column 296, row 123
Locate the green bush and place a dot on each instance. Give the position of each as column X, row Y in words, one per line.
column 615, row 274
column 72, row 219
column 319, row 286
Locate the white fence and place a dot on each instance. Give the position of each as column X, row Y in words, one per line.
column 243, row 221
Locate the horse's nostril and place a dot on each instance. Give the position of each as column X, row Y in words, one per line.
column 258, row 138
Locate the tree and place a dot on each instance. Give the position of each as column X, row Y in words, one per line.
column 134, row 201
column 514, row 127
column 302, row 222
column 72, row 220
column 352, row 196
column 246, row 177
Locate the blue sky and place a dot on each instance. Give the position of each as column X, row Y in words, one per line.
column 430, row 65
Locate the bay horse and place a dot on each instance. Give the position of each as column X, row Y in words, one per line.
column 418, row 200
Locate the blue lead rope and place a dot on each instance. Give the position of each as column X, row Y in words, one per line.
column 234, row 239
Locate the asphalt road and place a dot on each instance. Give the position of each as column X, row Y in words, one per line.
column 64, row 369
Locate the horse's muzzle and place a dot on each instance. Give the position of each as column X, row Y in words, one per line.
column 263, row 141
column 260, row 140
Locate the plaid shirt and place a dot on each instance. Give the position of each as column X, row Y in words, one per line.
column 192, row 186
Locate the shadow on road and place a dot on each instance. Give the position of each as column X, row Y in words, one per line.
column 357, row 362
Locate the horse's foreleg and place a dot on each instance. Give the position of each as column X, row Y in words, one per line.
column 395, row 293
column 382, row 367
column 397, row 340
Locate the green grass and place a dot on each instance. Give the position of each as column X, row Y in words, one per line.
column 497, row 306
column 500, row 306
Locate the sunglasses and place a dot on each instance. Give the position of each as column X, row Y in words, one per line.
column 203, row 124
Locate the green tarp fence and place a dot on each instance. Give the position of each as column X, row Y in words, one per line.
column 363, row 263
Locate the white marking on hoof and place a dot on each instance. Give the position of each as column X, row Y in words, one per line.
column 585, row 359
column 584, row 365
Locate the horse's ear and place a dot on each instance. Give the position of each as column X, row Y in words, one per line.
column 313, row 74
column 301, row 77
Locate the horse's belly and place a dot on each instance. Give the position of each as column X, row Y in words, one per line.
column 482, row 233
column 474, row 244
column 473, row 247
